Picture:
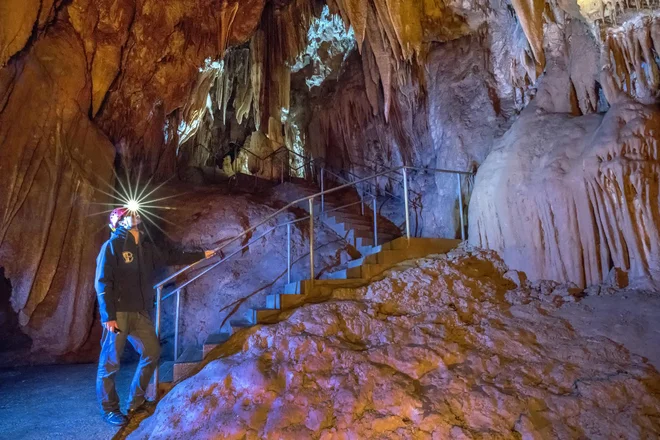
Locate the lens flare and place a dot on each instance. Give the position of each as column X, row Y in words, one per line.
column 133, row 206
column 137, row 198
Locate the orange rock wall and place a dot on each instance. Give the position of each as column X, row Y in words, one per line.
column 80, row 82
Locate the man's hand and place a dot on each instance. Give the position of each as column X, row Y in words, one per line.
column 209, row 254
column 111, row 326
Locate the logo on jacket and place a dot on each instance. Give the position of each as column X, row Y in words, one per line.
column 128, row 257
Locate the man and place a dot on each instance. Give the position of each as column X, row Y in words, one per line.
column 125, row 271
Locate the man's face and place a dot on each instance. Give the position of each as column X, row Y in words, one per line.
column 131, row 220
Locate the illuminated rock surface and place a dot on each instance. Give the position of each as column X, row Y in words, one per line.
column 444, row 347
column 568, row 198
column 431, row 84
column 243, row 282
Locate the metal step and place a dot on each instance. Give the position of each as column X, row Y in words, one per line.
column 281, row 301
column 214, row 341
column 436, row 245
column 187, row 362
column 239, row 324
column 338, row 275
column 261, row 316
column 377, row 262
column 356, row 263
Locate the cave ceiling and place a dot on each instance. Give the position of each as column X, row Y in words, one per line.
column 145, row 59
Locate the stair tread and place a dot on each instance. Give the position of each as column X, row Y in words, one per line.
column 166, row 372
column 190, row 354
column 217, row 338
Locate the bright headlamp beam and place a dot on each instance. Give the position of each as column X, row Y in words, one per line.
column 133, row 205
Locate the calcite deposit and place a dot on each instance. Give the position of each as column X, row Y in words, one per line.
column 443, row 347
column 171, row 89
column 572, row 207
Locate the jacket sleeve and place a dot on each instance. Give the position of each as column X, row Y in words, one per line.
column 106, row 265
column 175, row 258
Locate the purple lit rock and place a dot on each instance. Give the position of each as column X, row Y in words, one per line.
column 432, row 350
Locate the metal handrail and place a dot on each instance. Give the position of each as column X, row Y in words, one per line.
column 310, row 200
column 267, row 219
column 285, row 208
column 375, row 185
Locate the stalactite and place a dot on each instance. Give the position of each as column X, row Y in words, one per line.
column 629, row 52
column 354, row 13
column 243, row 98
column 382, row 51
column 257, row 54
column 390, row 32
column 196, row 106
column 530, row 14
column 225, row 18
column 227, row 84
column 371, row 77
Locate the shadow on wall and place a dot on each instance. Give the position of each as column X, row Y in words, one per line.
column 11, row 337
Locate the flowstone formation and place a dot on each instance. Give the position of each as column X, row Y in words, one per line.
column 569, row 198
column 442, row 347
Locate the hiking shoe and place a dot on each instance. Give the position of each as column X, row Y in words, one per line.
column 115, row 418
column 146, row 406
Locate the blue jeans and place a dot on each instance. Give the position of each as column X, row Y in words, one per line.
column 140, row 332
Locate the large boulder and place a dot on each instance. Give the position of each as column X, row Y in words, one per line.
column 445, row 347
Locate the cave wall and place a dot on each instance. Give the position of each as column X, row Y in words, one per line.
column 454, row 108
column 445, row 111
column 571, row 196
column 51, row 161
column 431, row 84
column 80, row 82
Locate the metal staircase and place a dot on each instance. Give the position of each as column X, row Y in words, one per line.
column 352, row 215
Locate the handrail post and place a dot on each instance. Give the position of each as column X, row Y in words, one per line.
column 405, row 200
column 362, row 203
column 375, row 222
column 460, row 205
column 159, row 294
column 311, row 239
column 288, row 253
column 176, row 325
column 322, row 190
column 288, row 164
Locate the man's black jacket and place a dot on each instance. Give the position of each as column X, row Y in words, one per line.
column 125, row 273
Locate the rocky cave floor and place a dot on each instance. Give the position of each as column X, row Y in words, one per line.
column 55, row 402
column 445, row 347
